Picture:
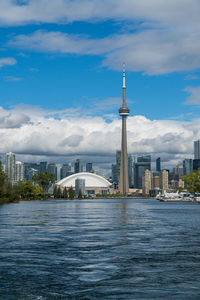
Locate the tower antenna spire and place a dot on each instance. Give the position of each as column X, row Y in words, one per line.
column 124, row 113
column 124, row 75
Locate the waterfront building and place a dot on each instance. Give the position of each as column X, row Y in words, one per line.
column 131, row 170
column 124, row 113
column 164, row 180
column 10, row 167
column 78, row 166
column 143, row 164
column 158, row 164
column 79, row 186
column 187, row 166
column 94, row 184
column 155, row 180
column 19, row 169
column 65, row 170
column 89, row 167
column 146, row 182
column 197, row 149
column 52, row 169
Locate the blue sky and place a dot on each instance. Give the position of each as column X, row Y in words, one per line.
column 61, row 61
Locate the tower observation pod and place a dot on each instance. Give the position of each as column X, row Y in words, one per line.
column 124, row 112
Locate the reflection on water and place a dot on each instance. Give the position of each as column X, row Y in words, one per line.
column 100, row 249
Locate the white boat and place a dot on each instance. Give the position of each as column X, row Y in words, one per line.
column 175, row 197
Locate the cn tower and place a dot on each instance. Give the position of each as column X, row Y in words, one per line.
column 124, row 112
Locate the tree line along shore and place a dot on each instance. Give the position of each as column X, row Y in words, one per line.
column 38, row 190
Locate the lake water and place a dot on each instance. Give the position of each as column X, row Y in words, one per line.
column 100, row 249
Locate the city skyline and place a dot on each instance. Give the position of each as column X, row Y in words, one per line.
column 60, row 74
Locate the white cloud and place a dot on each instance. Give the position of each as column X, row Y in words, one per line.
column 93, row 138
column 7, row 61
column 154, row 51
column 12, row 78
column 66, row 11
column 12, row 119
column 165, row 40
column 194, row 97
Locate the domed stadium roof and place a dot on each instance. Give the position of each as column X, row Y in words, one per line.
column 91, row 180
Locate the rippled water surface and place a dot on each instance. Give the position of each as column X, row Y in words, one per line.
column 100, row 249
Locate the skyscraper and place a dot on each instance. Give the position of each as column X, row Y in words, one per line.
column 143, row 164
column 43, row 167
column 146, row 182
column 65, row 170
column 89, row 167
column 19, row 169
column 116, row 168
column 10, row 166
column 197, row 149
column 187, row 166
column 52, row 169
column 158, row 165
column 131, row 169
column 124, row 112
column 164, row 180
column 78, row 166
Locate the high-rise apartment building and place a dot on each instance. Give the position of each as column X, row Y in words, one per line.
column 197, row 149
column 78, row 166
column 146, row 182
column 131, row 169
column 19, row 171
column 155, row 180
column 10, row 167
column 164, row 180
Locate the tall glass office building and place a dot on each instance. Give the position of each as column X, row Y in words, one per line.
column 197, row 149
column 131, row 170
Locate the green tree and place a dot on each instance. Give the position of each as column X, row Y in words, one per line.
column 2, row 181
column 45, row 180
column 26, row 190
column 65, row 193
column 57, row 192
column 71, row 193
column 80, row 196
column 192, row 181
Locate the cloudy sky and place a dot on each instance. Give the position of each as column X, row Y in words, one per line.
column 61, row 78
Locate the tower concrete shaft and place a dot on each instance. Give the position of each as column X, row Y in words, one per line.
column 124, row 112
